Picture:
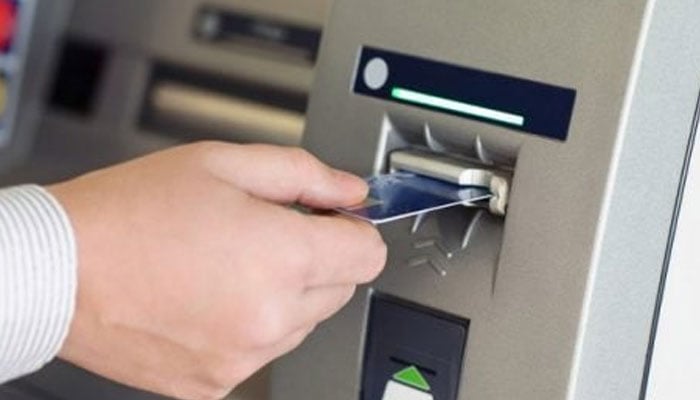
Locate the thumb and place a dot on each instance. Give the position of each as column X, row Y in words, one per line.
column 286, row 175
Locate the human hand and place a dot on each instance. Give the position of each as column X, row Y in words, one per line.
column 194, row 273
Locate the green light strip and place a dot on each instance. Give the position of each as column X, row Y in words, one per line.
column 457, row 106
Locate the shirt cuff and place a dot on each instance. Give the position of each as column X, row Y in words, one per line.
column 38, row 279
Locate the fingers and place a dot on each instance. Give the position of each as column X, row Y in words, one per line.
column 307, row 251
column 285, row 175
column 345, row 251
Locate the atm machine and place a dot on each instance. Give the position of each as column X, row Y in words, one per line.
column 574, row 285
column 133, row 76
column 590, row 110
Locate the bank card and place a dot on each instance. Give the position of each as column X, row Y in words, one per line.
column 402, row 195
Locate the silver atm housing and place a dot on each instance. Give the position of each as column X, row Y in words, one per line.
column 562, row 294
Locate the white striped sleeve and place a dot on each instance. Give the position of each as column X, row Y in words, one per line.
column 38, row 279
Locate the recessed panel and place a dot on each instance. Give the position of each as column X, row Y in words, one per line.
column 412, row 352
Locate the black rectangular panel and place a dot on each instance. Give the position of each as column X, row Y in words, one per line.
column 515, row 103
column 217, row 25
column 412, row 349
column 79, row 76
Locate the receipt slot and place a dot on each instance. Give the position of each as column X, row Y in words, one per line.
column 411, row 353
column 580, row 118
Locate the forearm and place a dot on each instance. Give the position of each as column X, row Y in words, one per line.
column 38, row 279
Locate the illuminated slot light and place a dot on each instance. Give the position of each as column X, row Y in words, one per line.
column 442, row 103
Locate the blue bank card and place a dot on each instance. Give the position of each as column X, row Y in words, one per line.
column 402, row 195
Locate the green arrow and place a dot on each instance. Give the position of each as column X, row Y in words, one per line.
column 412, row 377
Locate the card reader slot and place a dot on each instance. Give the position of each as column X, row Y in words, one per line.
column 439, row 166
column 400, row 131
column 455, row 170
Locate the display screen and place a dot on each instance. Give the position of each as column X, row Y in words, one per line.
column 511, row 102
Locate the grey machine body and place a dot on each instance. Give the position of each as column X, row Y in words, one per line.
column 563, row 293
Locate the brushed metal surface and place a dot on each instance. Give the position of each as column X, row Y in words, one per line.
column 561, row 293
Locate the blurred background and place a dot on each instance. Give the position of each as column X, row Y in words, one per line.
column 88, row 83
